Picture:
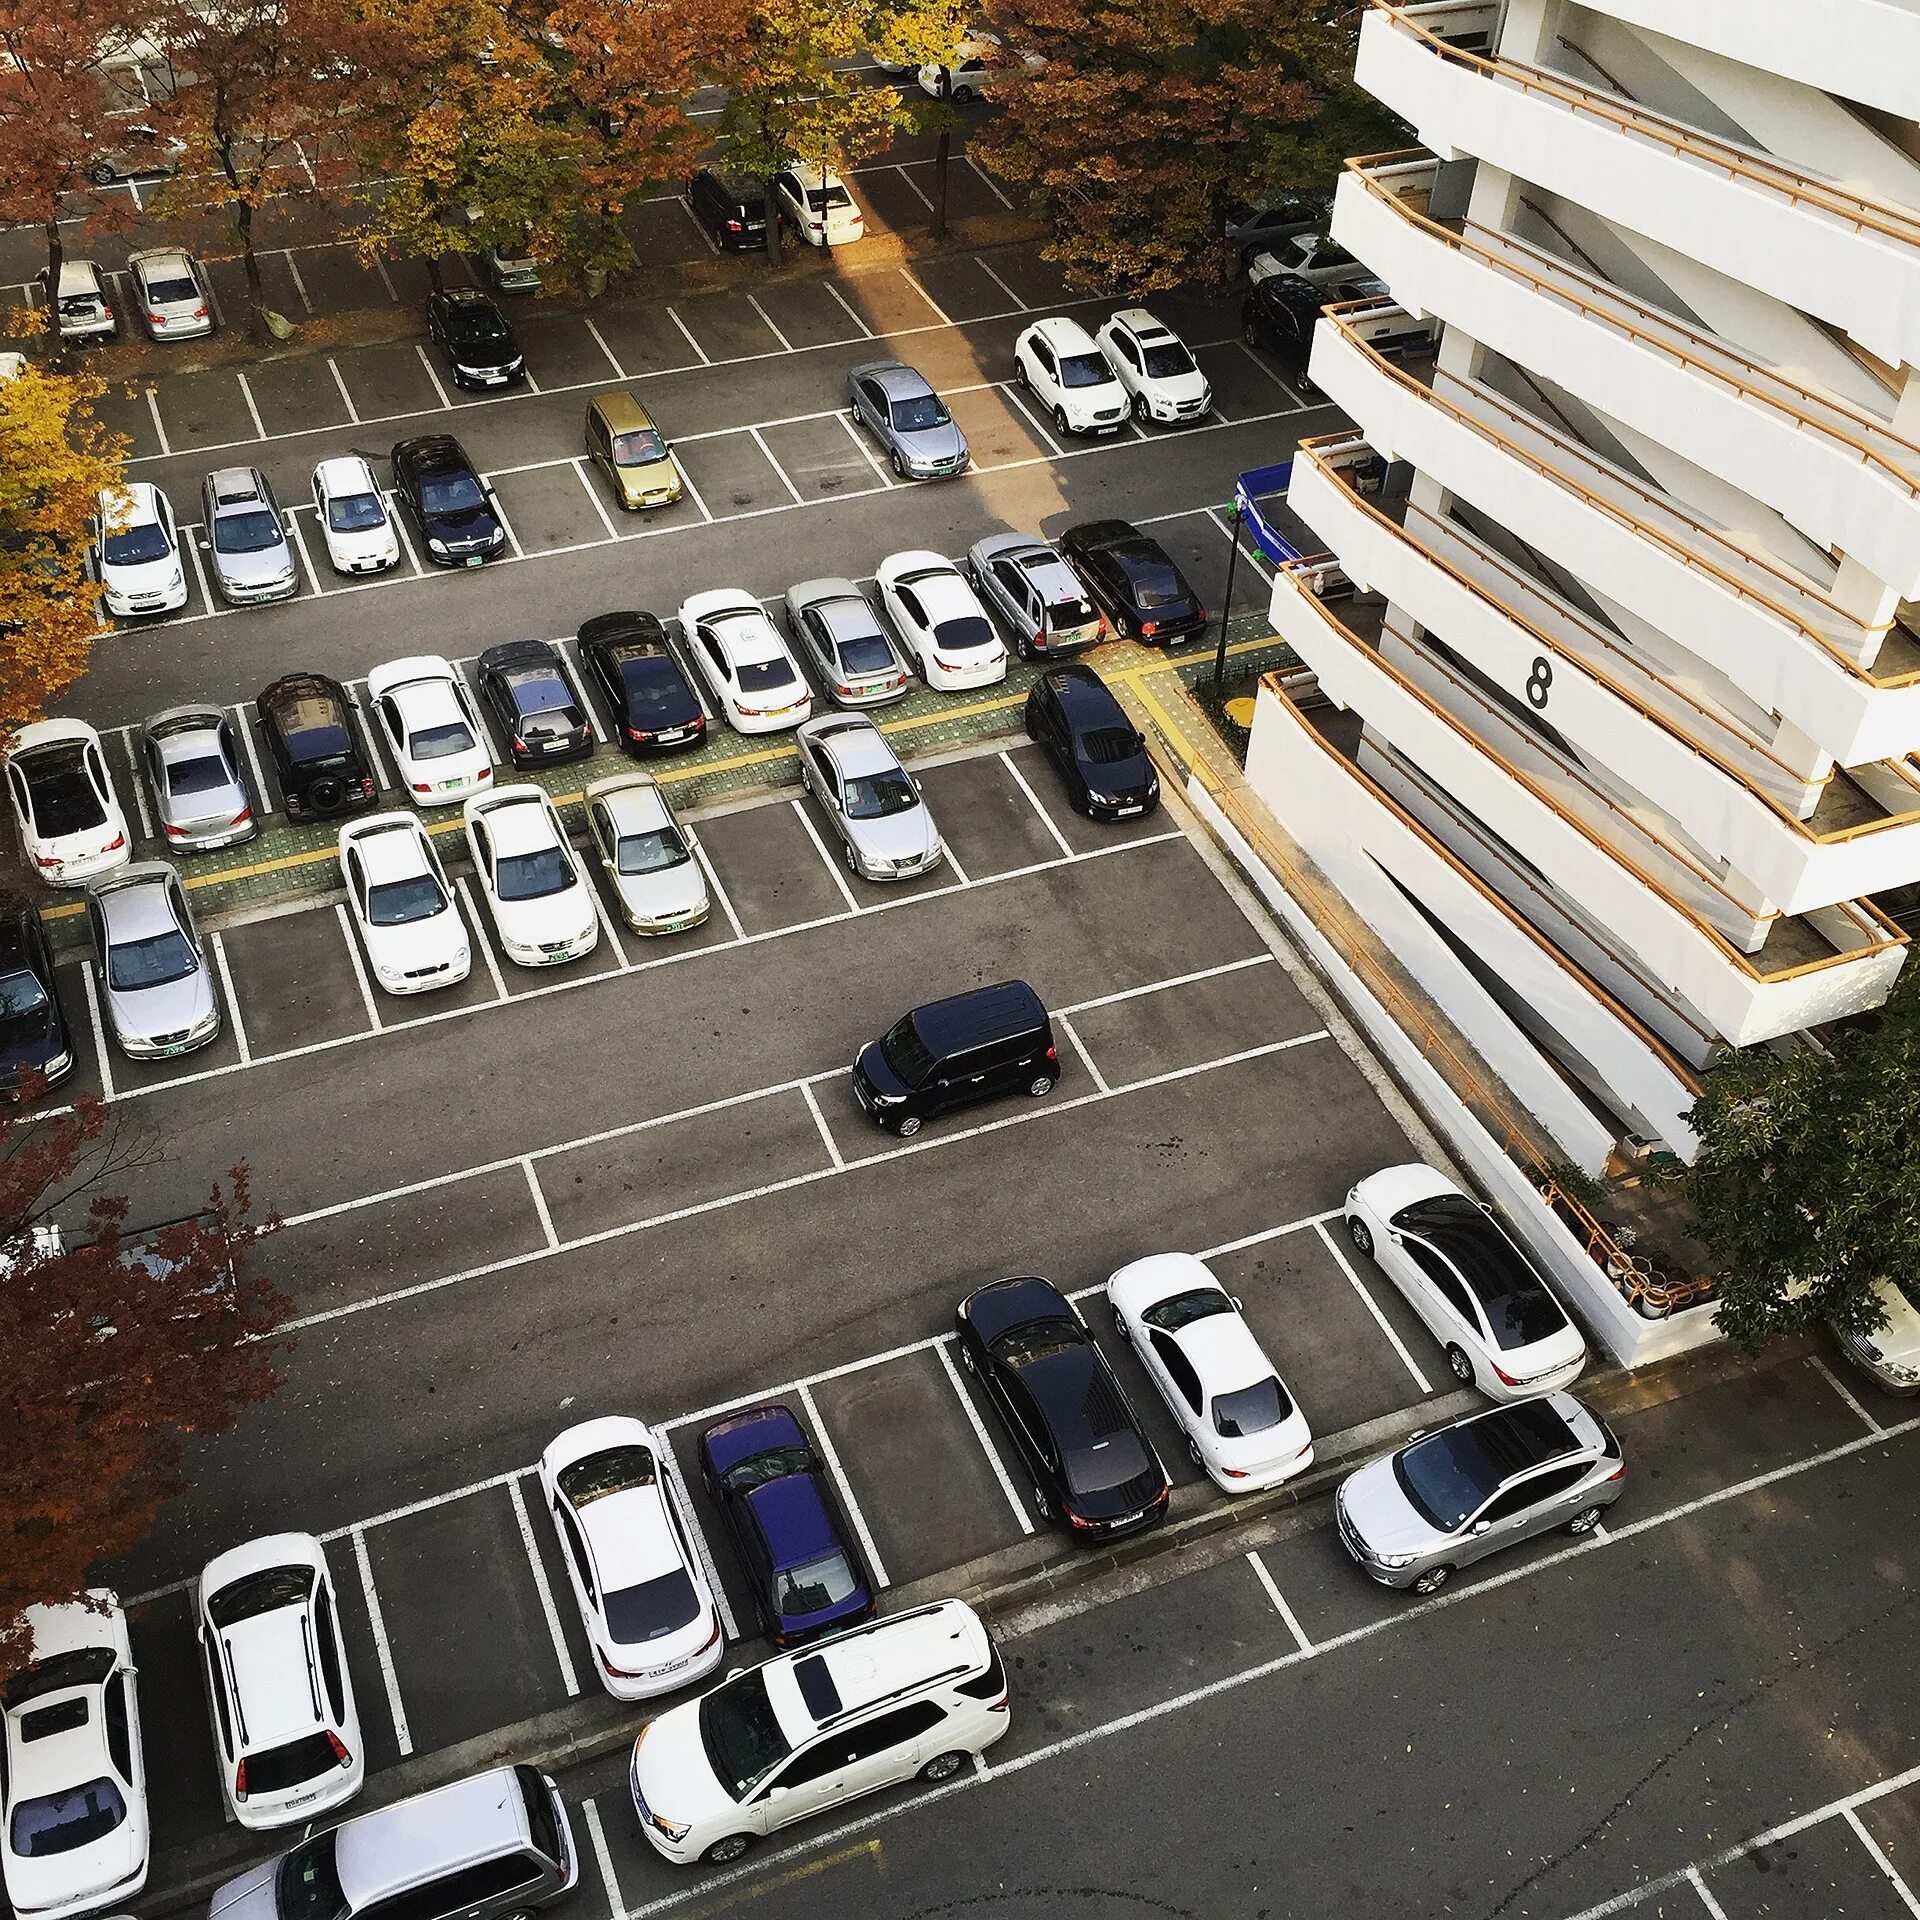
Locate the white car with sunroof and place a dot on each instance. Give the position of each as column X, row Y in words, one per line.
column 940, row 621
column 643, row 1598
column 748, row 668
column 429, row 723
column 1156, row 367
column 355, row 520
column 409, row 920
column 542, row 903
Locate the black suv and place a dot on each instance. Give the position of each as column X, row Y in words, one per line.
column 450, row 503
column 473, row 333
column 732, row 211
column 33, row 1030
column 1131, row 578
column 532, row 698
column 1095, row 748
column 317, row 758
column 1278, row 316
column 952, row 1053
column 653, row 703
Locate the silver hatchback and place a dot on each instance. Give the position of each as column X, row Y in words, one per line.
column 157, row 989
column 1039, row 596
column 246, row 537
column 1455, row 1494
column 872, row 802
column 901, row 410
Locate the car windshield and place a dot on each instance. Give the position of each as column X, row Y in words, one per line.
column 256, row 530
column 613, row 1470
column 1107, row 746
column 1251, row 1409
column 650, row 681
column 280, row 1769
column 820, row 1583
column 163, row 291
column 1518, row 1307
column 256, row 1593
column 59, row 1822
column 641, row 447
column 907, row 1054
column 964, row 634
column 476, row 327
column 441, row 742
column 398, row 903
column 1064, row 615
column 451, row 493
column 1154, row 582
column 866, row 653
column 540, row 690
column 775, row 1464
column 156, row 961
column 835, row 196
column 1084, row 370
column 531, row 876
column 204, row 773
column 1021, row 1346
column 653, row 1609
column 876, row 796
column 355, row 513
column 924, row 410
column 64, row 800
column 135, row 546
column 1167, row 360
column 21, row 996
column 741, row 1733
column 761, row 676
column 1183, row 1309
column 655, row 851
column 1447, row 1476
column 307, row 1886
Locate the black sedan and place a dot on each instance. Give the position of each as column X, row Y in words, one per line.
column 472, row 332
column 1095, row 748
column 1091, row 1464
column 1278, row 317
column 1131, row 578
column 652, row 701
column 452, row 506
column 35, row 1046
column 531, row 696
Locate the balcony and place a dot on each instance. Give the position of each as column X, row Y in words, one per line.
column 1854, row 691
column 1849, row 258
column 1620, row 871
column 1718, row 783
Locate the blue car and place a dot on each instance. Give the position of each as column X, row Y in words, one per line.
column 807, row 1576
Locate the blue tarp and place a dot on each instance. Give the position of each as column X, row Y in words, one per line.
column 1254, row 486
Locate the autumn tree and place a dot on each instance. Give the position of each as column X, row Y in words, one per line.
column 1138, row 126
column 1807, row 1182
column 55, row 456
column 110, row 1353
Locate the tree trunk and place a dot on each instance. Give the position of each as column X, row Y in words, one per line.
column 256, row 293
column 56, row 257
column 942, row 153
column 773, row 226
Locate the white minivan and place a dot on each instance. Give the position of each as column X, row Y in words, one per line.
column 918, row 1694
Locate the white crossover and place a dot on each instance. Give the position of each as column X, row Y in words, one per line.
column 1156, row 367
column 355, row 519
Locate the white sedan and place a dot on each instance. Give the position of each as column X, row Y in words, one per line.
column 1156, row 367
column 354, row 516
column 426, row 717
column 70, row 826
column 643, row 1598
column 1502, row 1328
column 136, row 551
column 397, row 892
column 941, row 621
column 1244, row 1430
column 542, row 903
column 745, row 663
column 73, row 1789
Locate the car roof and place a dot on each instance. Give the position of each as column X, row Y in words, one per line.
column 519, row 822
column 191, row 739
column 843, row 607
column 636, row 808
column 871, row 1663
column 611, row 629
column 1097, row 535
column 464, row 297
column 621, row 411
column 157, row 257
column 1140, row 323
column 1064, row 335
column 1521, row 1435
column 1084, row 697
column 390, row 848
column 346, row 470
column 961, row 1020
column 237, row 487
column 792, row 1517
column 139, row 500
column 268, row 1655
column 741, row 1436
column 745, row 632
column 631, row 1536
column 896, row 379
column 857, row 749
column 304, row 686
column 412, row 1841
column 430, row 448
column 139, row 903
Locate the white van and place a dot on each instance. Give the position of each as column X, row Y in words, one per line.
column 920, row 1693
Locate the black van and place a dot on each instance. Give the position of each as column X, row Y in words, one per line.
column 952, row 1053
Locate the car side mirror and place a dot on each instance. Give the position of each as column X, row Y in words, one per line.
column 1480, row 1526
column 1237, row 1307
column 778, row 1793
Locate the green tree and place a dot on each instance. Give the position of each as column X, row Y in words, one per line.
column 1807, row 1183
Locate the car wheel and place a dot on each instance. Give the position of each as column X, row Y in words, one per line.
column 1461, row 1365
column 1021, row 374
column 961, row 95
column 899, row 466
column 1361, row 1235
column 1193, row 1454
column 1433, row 1580
column 1041, row 1087
column 731, row 1848
column 908, row 1127
column 1120, row 1329
column 852, row 859
column 1042, row 1505
column 101, row 174
column 943, row 1766
column 967, row 1360
column 1141, row 411
column 1249, row 333
column 1060, row 419
column 1584, row 1521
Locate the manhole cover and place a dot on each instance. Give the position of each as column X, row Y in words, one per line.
column 1240, row 710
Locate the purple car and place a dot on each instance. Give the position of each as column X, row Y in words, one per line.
column 807, row 1577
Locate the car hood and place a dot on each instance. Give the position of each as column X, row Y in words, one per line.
column 871, row 1064
column 899, row 836
column 671, row 1769
column 932, row 443
column 1132, row 775
column 476, row 524
column 248, row 1897
column 659, row 896
column 172, row 1008
column 549, row 919
column 255, row 569
column 1382, row 1516
column 418, row 943
column 1179, row 386
column 143, row 576
column 28, row 1041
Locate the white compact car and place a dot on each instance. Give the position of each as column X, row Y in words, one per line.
column 921, row 1693
column 1244, row 1430
column 1503, row 1330
column 1890, row 1354
column 661, row 886
column 747, row 666
column 941, row 622
column 354, row 517
column 643, row 1599
column 541, row 902
column 1058, row 363
column 136, row 551
column 426, row 717
column 1156, row 367
column 410, row 923
column 285, row 1729
column 70, row 826
column 814, row 201
column 73, row 1789
column 85, row 311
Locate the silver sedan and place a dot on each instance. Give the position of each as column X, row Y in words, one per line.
column 652, row 870
column 872, row 802
column 158, row 993
column 191, row 762
column 901, row 410
column 840, row 637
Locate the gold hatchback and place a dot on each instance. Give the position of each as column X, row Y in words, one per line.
column 623, row 441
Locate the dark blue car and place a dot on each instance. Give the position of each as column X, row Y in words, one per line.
column 807, row 1576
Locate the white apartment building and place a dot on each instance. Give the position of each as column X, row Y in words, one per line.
column 1620, row 761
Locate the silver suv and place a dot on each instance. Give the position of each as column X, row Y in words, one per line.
column 1454, row 1495
column 246, row 537
column 871, row 800
column 1032, row 589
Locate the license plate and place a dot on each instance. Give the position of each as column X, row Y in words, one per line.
column 474, row 560
column 1120, row 813
column 451, row 786
column 167, row 1053
column 672, row 733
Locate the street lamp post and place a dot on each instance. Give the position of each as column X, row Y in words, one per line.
column 1226, row 610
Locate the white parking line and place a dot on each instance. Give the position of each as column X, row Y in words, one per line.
column 346, row 399
column 539, row 1201
column 785, row 343
column 912, row 280
column 830, row 1454
column 1079, row 1046
column 579, row 465
column 597, row 1836
column 373, row 738
column 600, row 341
column 839, row 300
column 693, row 494
column 506, row 527
column 859, row 439
column 993, row 187
column 101, row 1061
column 445, row 403
column 568, row 1677
column 399, row 520
column 1880, row 1860
column 714, row 887
column 1011, row 388
column 359, row 967
column 624, row 965
column 1412, row 1366
column 233, row 999
column 376, row 1620
column 980, row 1433
column 299, row 285
column 1840, row 1387
column 306, row 559
column 159, row 431
column 924, row 200
column 213, row 609
column 577, row 672
column 1707, row 1900
column 481, row 941
column 1279, row 1600
column 386, row 279
column 263, row 799
column 691, row 341
column 1046, row 819
column 959, row 872
column 684, row 1507
column 786, row 480
column 1020, row 306
column 246, row 393
column 827, row 860
column 139, row 785
column 1286, row 386
column 820, row 1120
column 1261, row 959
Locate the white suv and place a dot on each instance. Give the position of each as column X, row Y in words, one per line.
column 1058, row 364
column 1155, row 365
column 920, row 1693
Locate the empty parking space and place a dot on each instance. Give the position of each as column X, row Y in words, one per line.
column 806, row 314
column 336, row 280
column 297, row 396
column 663, row 230
column 894, row 198
column 1036, row 281
column 279, row 292
column 733, row 474
column 183, row 1789
column 722, row 327
column 560, row 347
column 822, row 459
column 203, row 409
column 388, row 383
column 552, row 506
column 773, row 872
column 1822, row 1873
column 998, row 431
column 130, row 411
column 984, row 816
column 1202, row 1020
column 962, row 287
column 644, row 339
column 295, row 987
column 1245, row 383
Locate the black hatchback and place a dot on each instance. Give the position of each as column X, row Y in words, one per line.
column 652, row 701
column 952, row 1053
column 1097, row 751
column 733, row 212
column 533, row 700
column 1132, row 579
column 473, row 333
column 1091, row 1463
column 450, row 503
column 307, row 722
column 34, row 1040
